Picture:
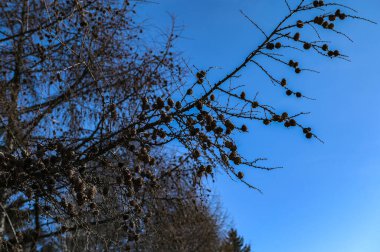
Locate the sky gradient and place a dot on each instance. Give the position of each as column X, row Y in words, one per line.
column 327, row 196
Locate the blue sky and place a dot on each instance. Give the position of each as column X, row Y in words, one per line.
column 327, row 196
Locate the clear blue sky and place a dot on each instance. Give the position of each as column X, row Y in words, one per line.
column 327, row 197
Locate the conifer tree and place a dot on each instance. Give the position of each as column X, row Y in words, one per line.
column 234, row 243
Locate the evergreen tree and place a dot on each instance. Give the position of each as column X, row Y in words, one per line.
column 234, row 243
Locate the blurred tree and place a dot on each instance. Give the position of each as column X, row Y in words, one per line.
column 182, row 220
column 234, row 243
column 179, row 219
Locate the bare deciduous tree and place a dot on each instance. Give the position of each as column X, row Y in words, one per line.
column 89, row 109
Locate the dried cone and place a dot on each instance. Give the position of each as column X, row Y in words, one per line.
column 283, row 82
column 297, row 36
column 209, row 169
column 332, row 18
column 292, row 122
column 320, row 20
column 201, row 74
column 244, row 128
column 178, row 105
column 306, row 130
column 196, row 154
column 307, row 46
column 270, row 46
column 300, row 24
column 242, row 95
column 255, row 104
column 237, row 160
column 170, row 102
